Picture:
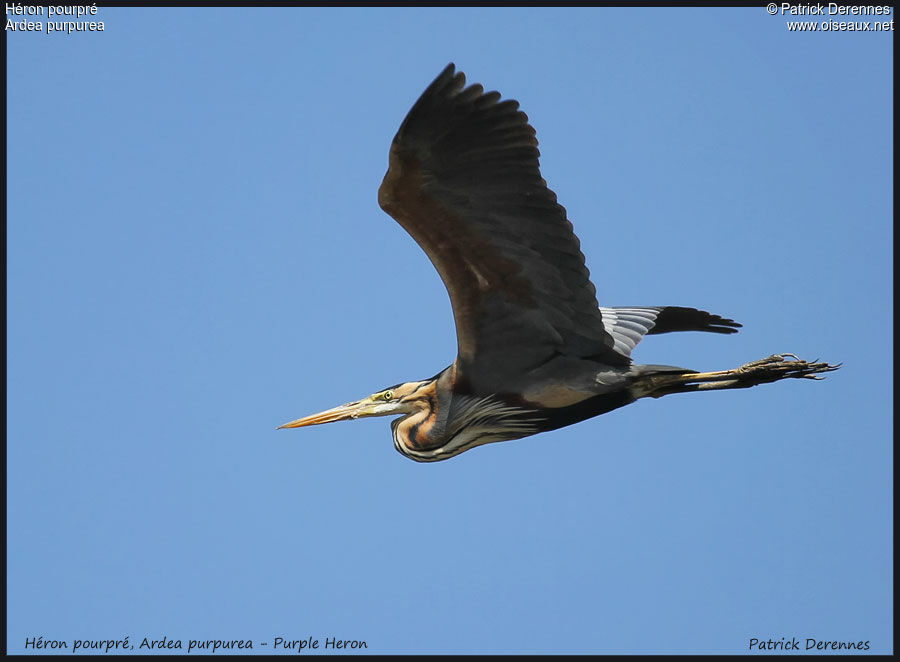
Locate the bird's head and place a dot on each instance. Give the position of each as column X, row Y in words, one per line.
column 408, row 398
column 434, row 424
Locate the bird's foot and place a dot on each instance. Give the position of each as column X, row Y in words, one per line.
column 783, row 366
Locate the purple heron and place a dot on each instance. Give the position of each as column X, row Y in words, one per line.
column 535, row 350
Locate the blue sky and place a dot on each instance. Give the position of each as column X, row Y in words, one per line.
column 196, row 255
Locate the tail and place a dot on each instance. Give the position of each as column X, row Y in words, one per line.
column 628, row 326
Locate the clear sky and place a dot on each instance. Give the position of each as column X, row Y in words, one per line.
column 196, row 255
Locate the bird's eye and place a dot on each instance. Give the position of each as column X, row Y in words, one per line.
column 388, row 395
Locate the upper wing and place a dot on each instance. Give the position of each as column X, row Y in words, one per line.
column 464, row 181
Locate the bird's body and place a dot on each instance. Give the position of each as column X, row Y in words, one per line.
column 535, row 350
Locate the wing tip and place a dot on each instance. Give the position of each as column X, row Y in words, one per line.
column 678, row 318
column 719, row 324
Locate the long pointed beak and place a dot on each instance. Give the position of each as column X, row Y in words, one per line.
column 345, row 412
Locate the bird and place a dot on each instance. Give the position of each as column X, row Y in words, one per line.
column 535, row 350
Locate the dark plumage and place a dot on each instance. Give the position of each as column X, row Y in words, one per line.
column 535, row 351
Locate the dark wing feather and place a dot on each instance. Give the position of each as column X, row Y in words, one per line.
column 464, row 181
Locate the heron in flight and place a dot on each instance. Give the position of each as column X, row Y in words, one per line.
column 535, row 351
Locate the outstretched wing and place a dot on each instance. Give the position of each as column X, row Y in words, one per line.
column 464, row 181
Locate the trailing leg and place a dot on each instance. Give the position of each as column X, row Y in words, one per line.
column 771, row 369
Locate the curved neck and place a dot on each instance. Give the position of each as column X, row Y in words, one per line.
column 426, row 426
column 446, row 423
